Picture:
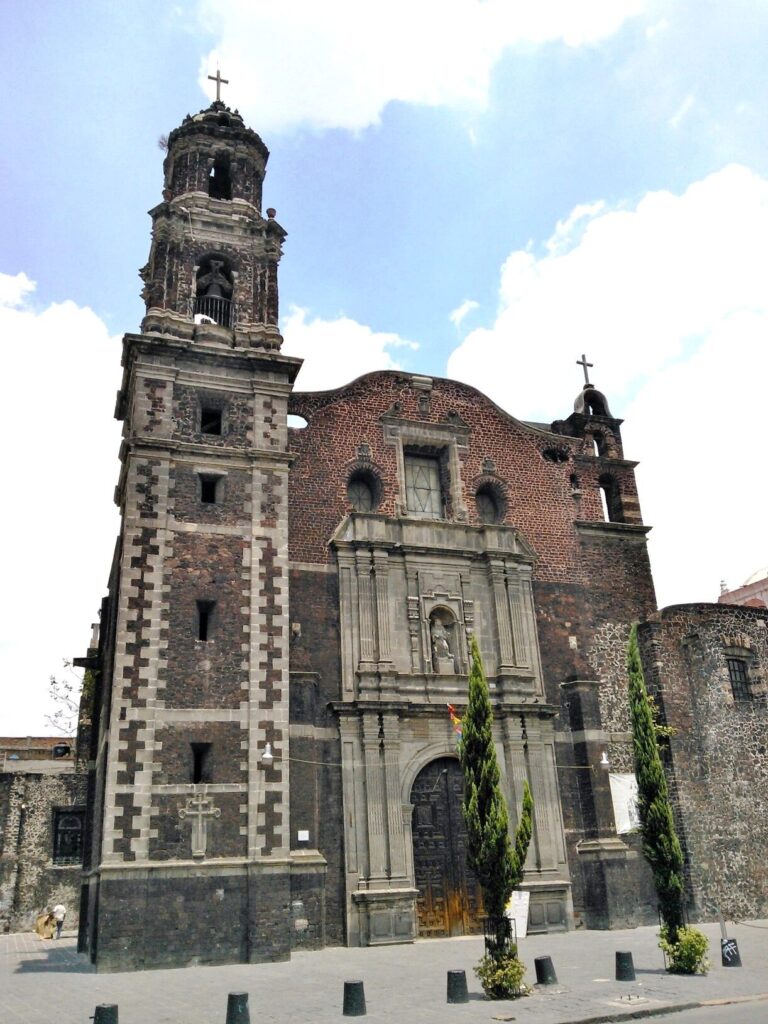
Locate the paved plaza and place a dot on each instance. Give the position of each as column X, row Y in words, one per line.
column 47, row 980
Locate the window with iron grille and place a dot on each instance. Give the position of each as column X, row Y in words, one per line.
column 68, row 835
column 739, row 677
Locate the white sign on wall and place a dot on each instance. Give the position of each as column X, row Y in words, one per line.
column 517, row 910
column 624, row 796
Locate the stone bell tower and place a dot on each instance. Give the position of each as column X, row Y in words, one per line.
column 214, row 256
column 189, row 859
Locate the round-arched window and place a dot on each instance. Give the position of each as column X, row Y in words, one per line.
column 361, row 492
column 489, row 506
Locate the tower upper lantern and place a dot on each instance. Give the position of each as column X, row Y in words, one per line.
column 216, row 154
column 212, row 268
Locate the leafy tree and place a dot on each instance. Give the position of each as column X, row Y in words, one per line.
column 497, row 866
column 64, row 695
column 661, row 846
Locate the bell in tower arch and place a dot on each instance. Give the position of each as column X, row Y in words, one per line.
column 213, row 292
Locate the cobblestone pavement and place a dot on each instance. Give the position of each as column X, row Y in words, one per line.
column 42, row 981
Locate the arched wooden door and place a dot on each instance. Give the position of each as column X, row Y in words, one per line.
column 449, row 900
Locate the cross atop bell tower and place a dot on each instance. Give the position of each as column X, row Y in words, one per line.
column 219, row 82
column 214, row 256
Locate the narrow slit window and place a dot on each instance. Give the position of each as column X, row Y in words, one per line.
column 209, row 488
column 201, row 763
column 210, row 420
column 204, row 619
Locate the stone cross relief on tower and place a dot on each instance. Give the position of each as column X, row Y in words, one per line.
column 199, row 809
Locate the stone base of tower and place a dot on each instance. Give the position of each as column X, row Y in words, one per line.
column 219, row 912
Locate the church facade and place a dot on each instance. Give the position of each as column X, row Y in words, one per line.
column 273, row 762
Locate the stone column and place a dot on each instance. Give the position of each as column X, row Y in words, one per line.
column 397, row 857
column 602, row 854
column 517, row 612
column 546, row 823
column 503, row 621
column 381, row 573
column 366, row 618
column 375, row 802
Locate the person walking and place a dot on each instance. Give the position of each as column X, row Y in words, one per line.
column 59, row 913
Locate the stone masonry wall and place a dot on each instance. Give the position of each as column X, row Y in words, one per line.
column 719, row 749
column 29, row 879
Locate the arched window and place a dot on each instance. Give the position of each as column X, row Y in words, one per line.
column 220, row 178
column 363, row 491
column 67, row 835
column 490, row 504
column 610, row 496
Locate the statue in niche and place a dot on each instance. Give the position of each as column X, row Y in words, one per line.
column 441, row 633
column 215, row 284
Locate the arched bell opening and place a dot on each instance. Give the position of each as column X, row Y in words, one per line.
column 220, row 175
column 214, row 287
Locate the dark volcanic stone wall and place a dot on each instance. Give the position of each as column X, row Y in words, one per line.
column 719, row 748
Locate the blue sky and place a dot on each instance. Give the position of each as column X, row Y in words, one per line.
column 472, row 188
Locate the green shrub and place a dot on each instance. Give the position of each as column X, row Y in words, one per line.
column 688, row 954
column 502, row 975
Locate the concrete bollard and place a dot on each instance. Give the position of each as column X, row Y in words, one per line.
column 105, row 1013
column 545, row 971
column 237, row 1008
column 729, row 953
column 457, row 987
column 354, row 999
column 625, row 969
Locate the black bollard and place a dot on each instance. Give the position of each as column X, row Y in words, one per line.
column 457, row 987
column 729, row 953
column 354, row 999
column 545, row 971
column 237, row 1008
column 625, row 969
column 105, row 1013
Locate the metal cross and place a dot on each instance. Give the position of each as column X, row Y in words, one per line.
column 219, row 82
column 199, row 808
column 584, row 364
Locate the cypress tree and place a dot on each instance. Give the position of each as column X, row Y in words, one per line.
column 497, row 866
column 661, row 846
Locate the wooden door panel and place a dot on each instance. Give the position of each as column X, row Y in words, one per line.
column 449, row 900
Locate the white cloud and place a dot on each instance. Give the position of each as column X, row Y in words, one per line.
column 695, row 427
column 14, row 289
column 337, row 351
column 668, row 300
column 685, row 108
column 458, row 314
column 339, row 63
column 60, row 466
column 653, row 30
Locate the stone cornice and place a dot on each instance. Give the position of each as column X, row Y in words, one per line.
column 633, row 532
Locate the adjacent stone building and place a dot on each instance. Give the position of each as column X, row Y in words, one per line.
column 42, row 811
column 707, row 665
column 273, row 763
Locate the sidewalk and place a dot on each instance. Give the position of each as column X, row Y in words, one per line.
column 44, row 980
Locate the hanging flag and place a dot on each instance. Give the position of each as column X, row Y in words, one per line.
column 455, row 721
